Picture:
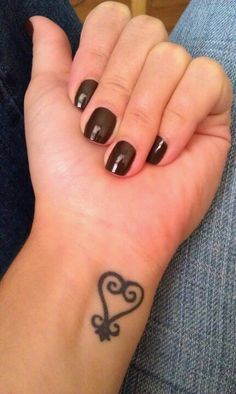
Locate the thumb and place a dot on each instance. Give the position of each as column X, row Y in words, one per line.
column 50, row 118
column 51, row 48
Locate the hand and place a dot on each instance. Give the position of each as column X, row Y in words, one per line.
column 153, row 87
column 88, row 221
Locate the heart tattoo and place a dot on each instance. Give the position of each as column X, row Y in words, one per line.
column 131, row 292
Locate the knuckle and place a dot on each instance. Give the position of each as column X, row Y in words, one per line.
column 116, row 84
column 36, row 85
column 100, row 53
column 115, row 8
column 32, row 94
column 177, row 113
column 28, row 96
column 209, row 66
column 43, row 85
column 140, row 116
column 146, row 23
column 173, row 52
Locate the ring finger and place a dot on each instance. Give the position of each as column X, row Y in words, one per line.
column 161, row 74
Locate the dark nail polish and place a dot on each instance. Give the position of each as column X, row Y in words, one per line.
column 85, row 92
column 100, row 125
column 28, row 27
column 121, row 158
column 157, row 152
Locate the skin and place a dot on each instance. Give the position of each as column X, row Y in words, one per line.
column 88, row 221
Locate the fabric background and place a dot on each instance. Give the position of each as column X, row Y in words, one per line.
column 16, row 195
column 189, row 345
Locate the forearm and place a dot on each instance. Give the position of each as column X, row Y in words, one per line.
column 48, row 301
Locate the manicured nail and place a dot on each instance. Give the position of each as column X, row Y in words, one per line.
column 121, row 158
column 157, row 152
column 28, row 27
column 100, row 125
column 85, row 92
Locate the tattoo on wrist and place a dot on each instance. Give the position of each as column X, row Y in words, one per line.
column 109, row 284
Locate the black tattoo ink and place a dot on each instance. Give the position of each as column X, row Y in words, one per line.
column 131, row 292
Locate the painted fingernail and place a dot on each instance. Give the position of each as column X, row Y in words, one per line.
column 85, row 92
column 121, row 158
column 157, row 152
column 100, row 125
column 28, row 27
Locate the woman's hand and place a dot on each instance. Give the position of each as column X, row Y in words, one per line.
column 154, row 88
column 88, row 221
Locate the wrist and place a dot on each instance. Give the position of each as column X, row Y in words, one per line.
column 102, row 243
column 81, row 260
column 57, row 276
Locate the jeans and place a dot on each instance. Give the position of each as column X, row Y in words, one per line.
column 189, row 345
column 16, row 195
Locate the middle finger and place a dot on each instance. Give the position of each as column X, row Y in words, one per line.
column 102, row 116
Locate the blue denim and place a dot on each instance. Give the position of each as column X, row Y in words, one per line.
column 16, row 194
column 189, row 345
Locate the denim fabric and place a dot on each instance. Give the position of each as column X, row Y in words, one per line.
column 189, row 345
column 16, row 195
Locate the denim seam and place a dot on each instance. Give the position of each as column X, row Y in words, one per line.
column 155, row 375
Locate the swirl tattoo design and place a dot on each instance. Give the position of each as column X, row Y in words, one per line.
column 131, row 292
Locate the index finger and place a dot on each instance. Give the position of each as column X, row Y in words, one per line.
column 100, row 33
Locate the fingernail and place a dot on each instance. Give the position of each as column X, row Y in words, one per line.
column 157, row 152
column 28, row 27
column 121, row 158
column 100, row 125
column 85, row 92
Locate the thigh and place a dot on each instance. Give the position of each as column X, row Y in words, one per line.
column 189, row 345
column 16, row 195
